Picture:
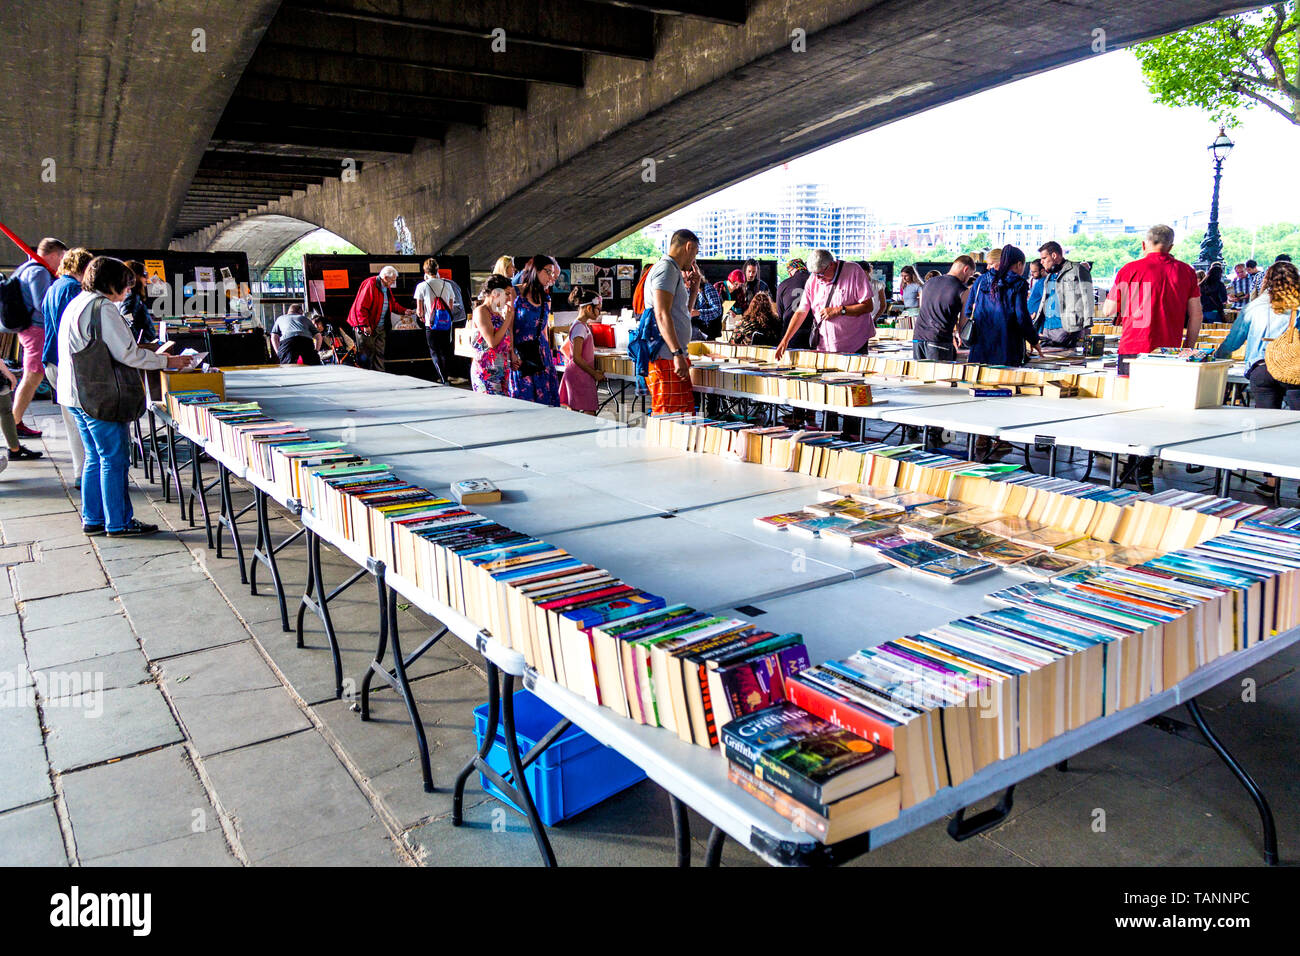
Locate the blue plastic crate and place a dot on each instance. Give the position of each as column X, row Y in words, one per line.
column 572, row 774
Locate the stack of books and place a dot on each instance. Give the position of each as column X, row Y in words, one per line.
column 827, row 781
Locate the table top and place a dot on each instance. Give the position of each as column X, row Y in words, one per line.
column 1273, row 451
column 994, row 416
column 1147, row 431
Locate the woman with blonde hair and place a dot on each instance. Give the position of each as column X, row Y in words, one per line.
column 66, row 288
column 504, row 266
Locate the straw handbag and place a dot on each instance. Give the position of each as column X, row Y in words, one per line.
column 1282, row 355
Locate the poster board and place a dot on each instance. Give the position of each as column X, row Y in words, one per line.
column 219, row 279
column 614, row 279
column 881, row 271
column 331, row 281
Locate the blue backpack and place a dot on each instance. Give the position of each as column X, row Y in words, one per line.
column 643, row 347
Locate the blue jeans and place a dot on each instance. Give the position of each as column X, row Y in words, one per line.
column 104, row 497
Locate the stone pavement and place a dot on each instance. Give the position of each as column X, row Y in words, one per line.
column 153, row 712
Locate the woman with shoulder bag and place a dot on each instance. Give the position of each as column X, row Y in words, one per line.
column 100, row 386
column 1267, row 327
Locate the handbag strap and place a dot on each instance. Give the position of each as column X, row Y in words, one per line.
column 830, row 291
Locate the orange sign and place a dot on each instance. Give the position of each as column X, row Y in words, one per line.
column 335, row 278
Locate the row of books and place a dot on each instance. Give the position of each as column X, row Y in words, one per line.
column 902, row 367
column 665, row 665
column 1124, row 517
column 819, row 454
column 1056, row 654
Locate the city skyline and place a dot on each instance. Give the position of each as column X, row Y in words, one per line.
column 1148, row 161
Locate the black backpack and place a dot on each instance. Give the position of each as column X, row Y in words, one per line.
column 15, row 314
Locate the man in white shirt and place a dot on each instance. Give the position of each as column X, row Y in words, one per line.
column 437, row 298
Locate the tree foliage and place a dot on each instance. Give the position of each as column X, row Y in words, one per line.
column 1230, row 65
column 638, row 245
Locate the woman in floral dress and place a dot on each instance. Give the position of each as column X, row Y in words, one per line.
column 535, row 380
column 493, row 346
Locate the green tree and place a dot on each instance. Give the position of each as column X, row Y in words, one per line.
column 638, row 245
column 318, row 242
column 1230, row 65
column 977, row 243
column 798, row 252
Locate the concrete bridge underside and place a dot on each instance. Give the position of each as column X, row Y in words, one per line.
column 547, row 144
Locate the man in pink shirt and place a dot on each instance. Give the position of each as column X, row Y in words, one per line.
column 840, row 297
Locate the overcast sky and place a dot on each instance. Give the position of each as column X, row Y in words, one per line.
column 1151, row 160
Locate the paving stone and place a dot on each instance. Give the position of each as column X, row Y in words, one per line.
column 122, row 550
column 31, row 837
column 80, row 641
column 52, row 531
column 235, row 718
column 199, row 849
column 137, row 802
column 124, row 669
column 96, row 727
column 65, row 571
column 166, row 618
column 1145, row 825
column 13, row 658
column 69, row 609
column 631, row 828
column 24, row 771
column 217, row 671
column 384, row 748
column 24, row 499
column 286, row 793
column 367, row 846
column 176, row 576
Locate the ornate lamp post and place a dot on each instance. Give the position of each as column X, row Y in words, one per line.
column 1212, row 244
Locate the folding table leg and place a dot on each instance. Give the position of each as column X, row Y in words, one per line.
column 316, row 600
column 198, row 490
column 681, row 830
column 264, row 552
column 713, row 849
column 501, row 712
column 1252, row 788
column 229, row 519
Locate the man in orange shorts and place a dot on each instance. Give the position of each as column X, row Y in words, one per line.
column 672, row 286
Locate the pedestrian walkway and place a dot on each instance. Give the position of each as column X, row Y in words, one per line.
column 154, row 712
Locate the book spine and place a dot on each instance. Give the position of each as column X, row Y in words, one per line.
column 840, row 712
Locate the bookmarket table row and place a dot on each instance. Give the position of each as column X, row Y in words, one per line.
column 679, row 524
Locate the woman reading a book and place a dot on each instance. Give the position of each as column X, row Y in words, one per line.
column 492, row 342
column 1000, row 322
column 578, row 386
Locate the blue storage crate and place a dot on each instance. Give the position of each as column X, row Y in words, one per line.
column 572, row 774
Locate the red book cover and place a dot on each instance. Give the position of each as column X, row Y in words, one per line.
column 592, row 597
column 841, row 712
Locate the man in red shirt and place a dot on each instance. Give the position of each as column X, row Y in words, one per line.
column 1157, row 299
column 371, row 315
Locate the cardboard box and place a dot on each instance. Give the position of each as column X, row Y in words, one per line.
column 1177, row 384
column 168, row 382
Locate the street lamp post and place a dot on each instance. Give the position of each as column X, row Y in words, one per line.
column 1212, row 244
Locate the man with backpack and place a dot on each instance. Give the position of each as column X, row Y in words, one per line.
column 22, row 296
column 440, row 308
